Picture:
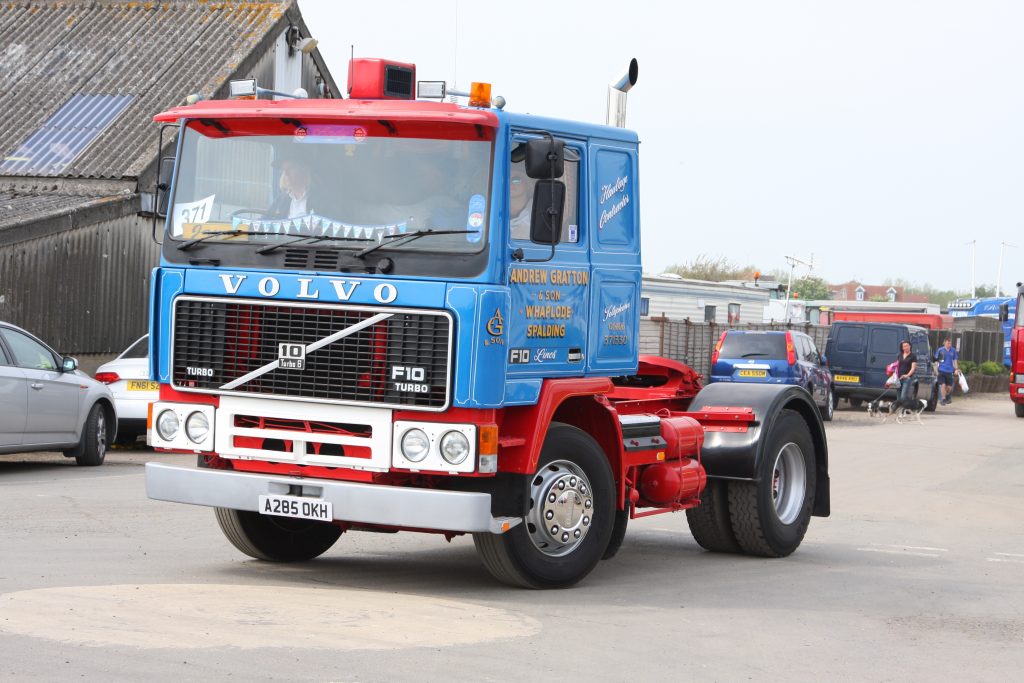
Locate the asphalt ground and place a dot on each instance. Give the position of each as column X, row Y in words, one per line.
column 917, row 575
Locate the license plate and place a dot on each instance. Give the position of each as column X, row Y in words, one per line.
column 753, row 373
column 296, row 507
column 143, row 385
column 846, row 378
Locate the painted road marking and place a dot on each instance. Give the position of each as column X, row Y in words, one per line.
column 897, row 552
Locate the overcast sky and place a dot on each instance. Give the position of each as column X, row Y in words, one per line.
column 878, row 136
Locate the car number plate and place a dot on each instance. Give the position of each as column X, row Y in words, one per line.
column 753, row 373
column 846, row 378
column 143, row 385
column 297, row 507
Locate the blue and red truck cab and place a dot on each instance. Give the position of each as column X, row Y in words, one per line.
column 385, row 313
column 1016, row 318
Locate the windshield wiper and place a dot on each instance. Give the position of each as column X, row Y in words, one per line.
column 409, row 237
column 753, row 353
column 185, row 246
column 274, row 247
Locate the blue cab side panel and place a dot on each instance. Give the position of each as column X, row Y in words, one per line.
column 481, row 315
column 615, row 258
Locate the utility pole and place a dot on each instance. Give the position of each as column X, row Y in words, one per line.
column 974, row 246
column 793, row 263
column 999, row 273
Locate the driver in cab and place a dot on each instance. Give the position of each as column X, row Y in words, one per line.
column 294, row 200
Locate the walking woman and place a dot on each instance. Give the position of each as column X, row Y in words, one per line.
column 907, row 361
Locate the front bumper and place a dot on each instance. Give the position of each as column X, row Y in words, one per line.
column 352, row 502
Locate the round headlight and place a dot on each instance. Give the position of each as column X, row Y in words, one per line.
column 415, row 445
column 454, row 447
column 167, row 425
column 197, row 427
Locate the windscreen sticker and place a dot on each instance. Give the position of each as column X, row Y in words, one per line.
column 191, row 213
column 475, row 220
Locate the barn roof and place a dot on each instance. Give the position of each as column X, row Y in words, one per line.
column 81, row 80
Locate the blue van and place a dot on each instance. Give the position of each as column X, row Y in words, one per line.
column 859, row 351
column 774, row 358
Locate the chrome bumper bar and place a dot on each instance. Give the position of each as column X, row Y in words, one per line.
column 352, row 502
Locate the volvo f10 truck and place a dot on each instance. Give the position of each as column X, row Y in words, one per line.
column 388, row 313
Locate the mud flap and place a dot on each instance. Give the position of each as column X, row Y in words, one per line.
column 734, row 453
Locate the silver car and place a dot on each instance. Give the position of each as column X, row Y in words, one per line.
column 48, row 404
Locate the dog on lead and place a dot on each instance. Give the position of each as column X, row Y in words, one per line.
column 884, row 409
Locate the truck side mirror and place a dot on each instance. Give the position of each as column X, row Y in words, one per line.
column 545, row 158
column 1004, row 312
column 163, row 185
column 548, row 208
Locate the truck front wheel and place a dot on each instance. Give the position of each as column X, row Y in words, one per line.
column 568, row 525
column 770, row 515
column 277, row 539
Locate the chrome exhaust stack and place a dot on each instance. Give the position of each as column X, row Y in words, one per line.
column 617, row 90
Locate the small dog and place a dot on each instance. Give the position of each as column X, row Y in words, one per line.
column 884, row 410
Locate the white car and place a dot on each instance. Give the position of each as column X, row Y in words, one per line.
column 128, row 379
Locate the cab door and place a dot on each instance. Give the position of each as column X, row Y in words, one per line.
column 13, row 402
column 53, row 396
column 549, row 290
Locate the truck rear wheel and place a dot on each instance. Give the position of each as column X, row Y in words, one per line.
column 1018, row 409
column 277, row 539
column 709, row 522
column 568, row 525
column 770, row 516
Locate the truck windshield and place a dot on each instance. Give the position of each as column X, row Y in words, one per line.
column 335, row 181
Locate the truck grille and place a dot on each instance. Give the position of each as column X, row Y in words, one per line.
column 217, row 342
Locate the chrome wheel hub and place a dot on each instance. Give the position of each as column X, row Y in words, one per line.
column 789, row 483
column 561, row 508
column 101, row 433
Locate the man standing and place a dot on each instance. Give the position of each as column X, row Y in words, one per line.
column 948, row 366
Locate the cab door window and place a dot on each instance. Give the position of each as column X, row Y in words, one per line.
column 520, row 201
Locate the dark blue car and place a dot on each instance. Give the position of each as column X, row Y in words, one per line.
column 774, row 358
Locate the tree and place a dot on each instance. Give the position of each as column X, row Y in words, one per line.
column 712, row 269
column 811, row 288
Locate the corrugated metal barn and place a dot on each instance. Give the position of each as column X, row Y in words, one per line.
column 81, row 82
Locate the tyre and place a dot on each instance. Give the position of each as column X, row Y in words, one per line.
column 770, row 516
column 569, row 523
column 829, row 409
column 1018, row 408
column 709, row 522
column 933, row 399
column 277, row 539
column 91, row 450
column 618, row 534
column 855, row 403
